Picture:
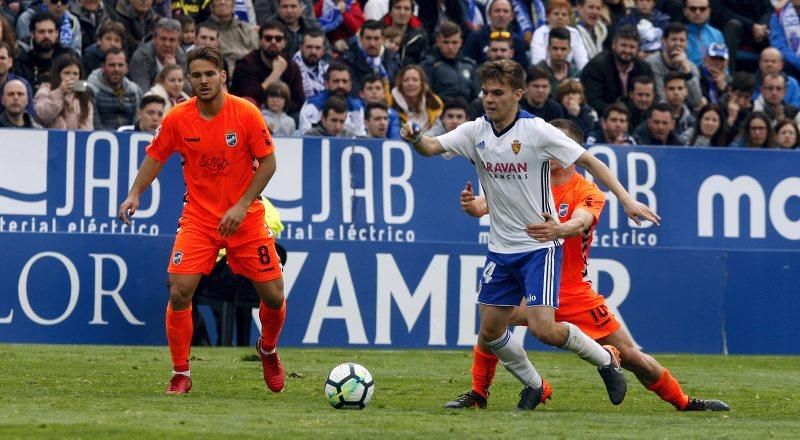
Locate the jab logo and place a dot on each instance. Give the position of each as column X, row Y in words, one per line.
column 23, row 173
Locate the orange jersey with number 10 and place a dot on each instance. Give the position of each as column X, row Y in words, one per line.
column 218, row 156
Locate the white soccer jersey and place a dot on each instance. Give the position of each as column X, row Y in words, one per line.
column 514, row 169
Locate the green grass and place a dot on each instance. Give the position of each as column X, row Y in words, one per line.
column 100, row 392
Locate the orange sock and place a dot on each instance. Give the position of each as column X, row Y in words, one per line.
column 271, row 325
column 483, row 368
column 670, row 390
column 179, row 336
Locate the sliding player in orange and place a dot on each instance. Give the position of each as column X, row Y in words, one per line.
column 578, row 203
column 228, row 159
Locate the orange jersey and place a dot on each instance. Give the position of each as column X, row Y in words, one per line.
column 218, row 156
column 576, row 289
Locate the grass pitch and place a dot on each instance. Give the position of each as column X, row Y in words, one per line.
column 102, row 392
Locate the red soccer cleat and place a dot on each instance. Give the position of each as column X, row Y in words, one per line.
column 179, row 384
column 274, row 373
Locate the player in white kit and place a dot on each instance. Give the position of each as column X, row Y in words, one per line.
column 511, row 150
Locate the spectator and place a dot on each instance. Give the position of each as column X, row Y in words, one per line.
column 434, row 13
column 573, row 104
column 558, row 50
column 673, row 58
column 451, row 73
column 110, row 34
column 139, row 19
column 772, row 102
column 500, row 49
column 413, row 100
column 205, row 34
column 376, row 119
column 266, row 65
column 500, row 14
column 68, row 26
column 163, row 49
column 290, row 13
column 340, row 20
column 787, row 134
column 35, row 62
column 332, row 122
column 594, row 33
column 311, row 63
column 657, row 129
column 188, row 31
column 367, row 55
column 606, row 76
column 236, row 38
column 7, row 33
column 7, row 74
column 613, row 127
column 700, row 33
column 115, row 96
column 266, row 9
column 756, row 132
column 65, row 102
column 148, row 116
column 738, row 102
column 15, row 100
column 771, row 61
column 90, row 14
column 374, row 90
column 710, row 128
column 455, row 112
column 714, row 78
column 537, row 100
column 744, row 23
column 414, row 41
column 559, row 13
column 641, row 97
column 675, row 92
column 392, row 39
column 339, row 83
column 169, row 85
column 274, row 110
column 644, row 10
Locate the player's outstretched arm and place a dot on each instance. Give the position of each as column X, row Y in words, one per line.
column 473, row 205
column 425, row 145
column 635, row 210
column 551, row 229
column 147, row 173
column 235, row 215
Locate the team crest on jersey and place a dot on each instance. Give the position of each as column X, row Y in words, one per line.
column 177, row 257
column 563, row 209
column 230, row 139
column 516, row 145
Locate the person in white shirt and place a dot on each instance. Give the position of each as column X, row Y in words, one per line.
column 512, row 151
column 558, row 15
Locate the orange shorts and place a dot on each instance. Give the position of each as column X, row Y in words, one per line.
column 250, row 251
column 592, row 317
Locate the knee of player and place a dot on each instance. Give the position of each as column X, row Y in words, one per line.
column 631, row 357
column 547, row 334
column 491, row 334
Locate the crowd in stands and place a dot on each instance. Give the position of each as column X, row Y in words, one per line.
column 656, row 72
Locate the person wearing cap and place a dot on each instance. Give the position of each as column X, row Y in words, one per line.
column 701, row 34
column 771, row 61
column 714, row 78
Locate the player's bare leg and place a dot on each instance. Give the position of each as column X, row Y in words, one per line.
column 542, row 324
column 272, row 314
column 655, row 377
column 179, row 329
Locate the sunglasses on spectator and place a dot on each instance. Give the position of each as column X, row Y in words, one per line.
column 63, row 2
column 697, row 8
column 275, row 38
column 499, row 34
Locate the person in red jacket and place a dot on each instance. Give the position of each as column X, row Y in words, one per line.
column 340, row 20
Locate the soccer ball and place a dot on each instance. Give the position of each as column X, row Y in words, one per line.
column 349, row 386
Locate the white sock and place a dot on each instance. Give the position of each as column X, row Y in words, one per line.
column 585, row 347
column 183, row 373
column 512, row 356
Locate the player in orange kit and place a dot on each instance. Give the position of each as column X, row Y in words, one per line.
column 579, row 203
column 228, row 159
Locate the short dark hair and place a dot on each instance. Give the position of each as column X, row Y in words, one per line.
column 572, row 129
column 675, row 27
column 369, row 79
column 372, row 106
column 210, row 54
column 448, row 29
column 456, row 102
column 627, row 32
column 313, row 33
column 373, row 25
column 538, row 72
column 659, row 107
column 115, row 51
column 278, row 89
column 744, row 82
column 337, row 67
column 208, row 25
column 673, row 75
column 641, row 79
column 558, row 33
column 616, row 107
column 273, row 24
column 111, row 26
column 151, row 99
column 184, row 20
column 40, row 17
column 334, row 104
column 503, row 71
